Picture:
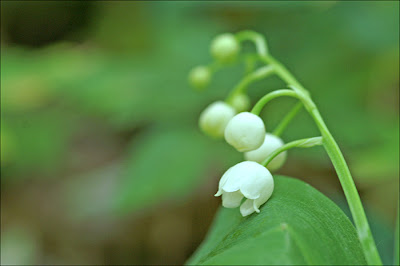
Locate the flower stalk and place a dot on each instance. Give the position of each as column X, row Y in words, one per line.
column 270, row 96
column 286, row 120
column 258, row 74
column 360, row 220
column 301, row 143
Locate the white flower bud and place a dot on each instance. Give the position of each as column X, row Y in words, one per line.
column 248, row 180
column 199, row 77
column 241, row 103
column 245, row 132
column 271, row 143
column 215, row 117
column 225, row 48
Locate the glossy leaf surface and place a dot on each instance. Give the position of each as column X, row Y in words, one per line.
column 298, row 225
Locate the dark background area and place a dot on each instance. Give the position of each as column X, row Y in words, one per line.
column 101, row 158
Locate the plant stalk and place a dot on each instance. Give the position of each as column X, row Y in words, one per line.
column 258, row 74
column 286, row 120
column 301, row 143
column 353, row 199
column 339, row 163
column 270, row 96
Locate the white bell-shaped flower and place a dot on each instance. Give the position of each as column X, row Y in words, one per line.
column 248, row 180
column 271, row 143
column 215, row 117
column 245, row 132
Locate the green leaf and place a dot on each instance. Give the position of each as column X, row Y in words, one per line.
column 168, row 162
column 298, row 225
column 19, row 246
column 35, row 143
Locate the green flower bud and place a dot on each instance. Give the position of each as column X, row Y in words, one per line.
column 225, row 48
column 241, row 103
column 215, row 117
column 200, row 77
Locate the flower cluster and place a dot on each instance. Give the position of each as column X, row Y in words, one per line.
column 248, row 184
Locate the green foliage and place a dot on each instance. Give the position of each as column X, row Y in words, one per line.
column 35, row 142
column 19, row 246
column 127, row 77
column 127, row 70
column 396, row 259
column 298, row 225
column 167, row 162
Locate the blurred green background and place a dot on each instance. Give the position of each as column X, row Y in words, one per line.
column 101, row 158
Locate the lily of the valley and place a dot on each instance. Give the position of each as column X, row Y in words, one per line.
column 248, row 180
column 215, row 117
column 225, row 48
column 271, row 143
column 245, row 132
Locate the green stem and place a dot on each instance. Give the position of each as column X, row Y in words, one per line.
column 301, row 143
column 258, row 74
column 250, row 63
column 339, row 163
column 360, row 220
column 215, row 66
column 248, row 59
column 287, row 119
column 396, row 260
column 270, row 96
column 258, row 39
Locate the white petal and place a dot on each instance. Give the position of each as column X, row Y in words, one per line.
column 245, row 132
column 231, row 199
column 233, row 178
column 224, row 178
column 215, row 117
column 271, row 143
column 264, row 197
column 219, row 193
column 259, row 179
column 255, row 206
column 247, row 207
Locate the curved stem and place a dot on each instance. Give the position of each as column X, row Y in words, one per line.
column 258, row 74
column 339, row 163
column 250, row 62
column 214, row 66
column 270, row 96
column 301, row 143
column 257, row 38
column 360, row 220
column 286, row 120
column 396, row 260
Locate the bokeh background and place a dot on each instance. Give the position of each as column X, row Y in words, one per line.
column 101, row 158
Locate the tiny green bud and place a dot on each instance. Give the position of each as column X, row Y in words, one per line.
column 199, row 77
column 225, row 48
column 215, row 117
column 241, row 102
